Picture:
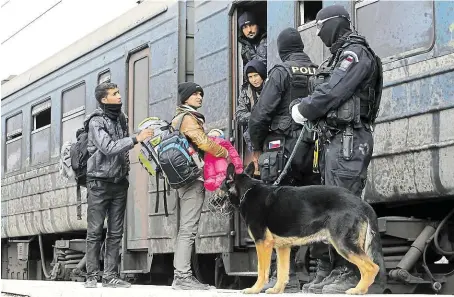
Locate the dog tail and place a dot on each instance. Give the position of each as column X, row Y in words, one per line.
column 373, row 249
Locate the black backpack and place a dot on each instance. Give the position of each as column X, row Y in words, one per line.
column 175, row 160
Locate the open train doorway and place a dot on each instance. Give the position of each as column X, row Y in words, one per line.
column 249, row 42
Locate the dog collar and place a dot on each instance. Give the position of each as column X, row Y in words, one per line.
column 244, row 195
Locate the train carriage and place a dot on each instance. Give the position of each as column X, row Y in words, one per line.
column 147, row 52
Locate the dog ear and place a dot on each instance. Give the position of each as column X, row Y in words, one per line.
column 250, row 169
column 230, row 172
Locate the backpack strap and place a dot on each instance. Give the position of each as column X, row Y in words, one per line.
column 165, row 199
column 156, row 207
column 180, row 120
column 79, row 202
column 123, row 122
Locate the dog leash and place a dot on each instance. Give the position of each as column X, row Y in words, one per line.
column 292, row 155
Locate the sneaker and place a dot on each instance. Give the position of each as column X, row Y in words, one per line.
column 188, row 283
column 345, row 281
column 115, row 282
column 91, row 282
column 323, row 269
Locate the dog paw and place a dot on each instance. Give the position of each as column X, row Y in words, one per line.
column 355, row 291
column 251, row 291
column 274, row 290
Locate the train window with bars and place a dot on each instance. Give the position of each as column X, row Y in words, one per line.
column 40, row 135
column 396, row 29
column 13, row 143
column 308, row 11
column 73, row 109
column 104, row 77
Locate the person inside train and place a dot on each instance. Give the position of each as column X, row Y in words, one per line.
column 252, row 39
column 255, row 71
column 108, row 146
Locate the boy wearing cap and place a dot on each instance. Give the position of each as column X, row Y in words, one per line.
column 253, row 42
column 192, row 195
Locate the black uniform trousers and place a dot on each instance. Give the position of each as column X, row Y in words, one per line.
column 350, row 173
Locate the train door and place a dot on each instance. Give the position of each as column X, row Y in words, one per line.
column 138, row 195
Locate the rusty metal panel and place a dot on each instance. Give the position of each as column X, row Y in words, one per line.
column 414, row 139
column 42, row 202
column 211, row 52
column 280, row 15
column 162, row 230
column 137, row 206
column 394, row 35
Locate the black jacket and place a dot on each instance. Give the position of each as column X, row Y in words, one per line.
column 253, row 50
column 108, row 145
column 273, row 107
column 354, row 68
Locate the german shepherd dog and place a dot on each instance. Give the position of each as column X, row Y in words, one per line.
column 281, row 217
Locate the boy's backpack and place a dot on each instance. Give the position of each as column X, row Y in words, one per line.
column 169, row 150
column 175, row 159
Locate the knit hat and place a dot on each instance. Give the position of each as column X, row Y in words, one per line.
column 246, row 18
column 186, row 89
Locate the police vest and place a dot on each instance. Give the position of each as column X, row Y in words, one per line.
column 299, row 73
column 366, row 101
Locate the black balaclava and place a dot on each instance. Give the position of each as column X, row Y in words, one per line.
column 289, row 41
column 334, row 28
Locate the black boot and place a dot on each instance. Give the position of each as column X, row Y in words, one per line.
column 345, row 281
column 323, row 269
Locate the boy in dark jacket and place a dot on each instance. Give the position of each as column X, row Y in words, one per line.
column 107, row 182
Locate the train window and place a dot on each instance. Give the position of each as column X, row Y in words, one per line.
column 40, row 135
column 396, row 29
column 309, row 10
column 41, row 115
column 73, row 109
column 13, row 143
column 104, row 77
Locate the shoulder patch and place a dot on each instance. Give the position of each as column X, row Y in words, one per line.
column 346, row 63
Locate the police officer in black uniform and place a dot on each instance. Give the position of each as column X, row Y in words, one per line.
column 272, row 131
column 344, row 105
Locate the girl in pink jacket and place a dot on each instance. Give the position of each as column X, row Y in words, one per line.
column 216, row 168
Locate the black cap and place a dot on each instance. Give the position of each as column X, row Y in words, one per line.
column 186, row 89
column 245, row 19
